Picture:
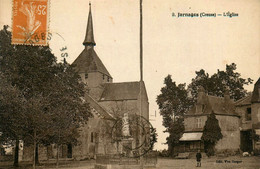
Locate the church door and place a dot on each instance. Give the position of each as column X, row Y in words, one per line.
column 69, row 154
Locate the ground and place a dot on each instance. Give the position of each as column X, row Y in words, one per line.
column 211, row 163
column 235, row 162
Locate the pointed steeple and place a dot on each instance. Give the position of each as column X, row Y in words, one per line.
column 89, row 38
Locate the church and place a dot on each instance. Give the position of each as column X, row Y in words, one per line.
column 108, row 102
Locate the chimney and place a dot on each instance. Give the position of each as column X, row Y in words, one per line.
column 201, row 95
column 226, row 96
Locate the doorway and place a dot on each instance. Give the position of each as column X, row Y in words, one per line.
column 246, row 144
column 69, row 153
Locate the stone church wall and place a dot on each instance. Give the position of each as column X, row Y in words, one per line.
column 28, row 153
column 120, row 107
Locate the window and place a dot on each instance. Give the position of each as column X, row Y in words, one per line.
column 198, row 123
column 86, row 76
column 92, row 137
column 203, row 107
column 200, row 108
column 107, row 79
column 248, row 114
column 103, row 77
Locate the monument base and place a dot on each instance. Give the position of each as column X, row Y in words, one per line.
column 127, row 147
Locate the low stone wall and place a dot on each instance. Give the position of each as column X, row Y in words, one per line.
column 149, row 160
column 115, row 166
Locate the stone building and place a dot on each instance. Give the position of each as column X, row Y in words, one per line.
column 237, row 120
column 194, row 121
column 249, row 110
column 107, row 100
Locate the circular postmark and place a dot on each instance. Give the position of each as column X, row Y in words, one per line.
column 55, row 41
column 135, row 134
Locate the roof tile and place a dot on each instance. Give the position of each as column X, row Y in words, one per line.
column 88, row 61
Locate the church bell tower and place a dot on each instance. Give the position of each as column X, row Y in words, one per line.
column 89, row 66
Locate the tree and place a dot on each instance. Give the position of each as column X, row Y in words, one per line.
column 11, row 104
column 29, row 70
column 176, row 131
column 53, row 95
column 70, row 111
column 211, row 134
column 173, row 102
column 219, row 82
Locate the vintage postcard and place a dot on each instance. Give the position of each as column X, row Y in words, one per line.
column 169, row 84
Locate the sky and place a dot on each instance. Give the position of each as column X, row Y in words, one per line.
column 171, row 45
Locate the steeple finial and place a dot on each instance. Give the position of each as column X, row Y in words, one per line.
column 89, row 38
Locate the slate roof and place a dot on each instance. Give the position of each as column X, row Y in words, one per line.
column 98, row 108
column 256, row 93
column 89, row 38
column 88, row 61
column 215, row 104
column 121, row 91
column 244, row 101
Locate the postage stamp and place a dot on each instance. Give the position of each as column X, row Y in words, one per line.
column 30, row 22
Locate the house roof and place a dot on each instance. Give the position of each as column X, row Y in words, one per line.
column 88, row 61
column 215, row 104
column 256, row 92
column 121, row 91
column 244, row 101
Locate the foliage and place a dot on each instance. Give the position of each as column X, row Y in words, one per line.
column 211, row 134
column 153, row 137
column 163, row 153
column 49, row 97
column 219, row 82
column 173, row 102
column 69, row 111
column 176, row 131
column 11, row 105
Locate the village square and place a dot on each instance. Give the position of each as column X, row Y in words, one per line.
column 72, row 112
